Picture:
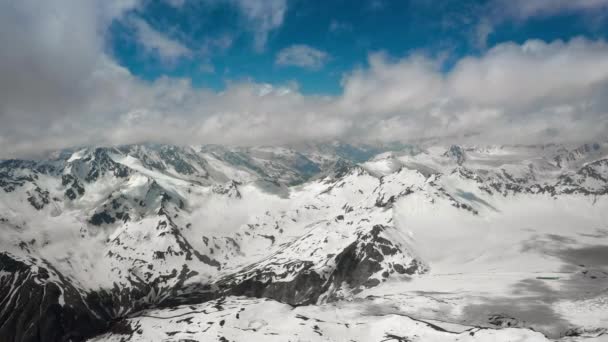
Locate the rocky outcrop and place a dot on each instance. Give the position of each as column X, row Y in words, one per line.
column 456, row 153
column 371, row 258
column 39, row 304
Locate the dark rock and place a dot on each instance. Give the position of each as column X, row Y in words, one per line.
column 36, row 308
column 101, row 218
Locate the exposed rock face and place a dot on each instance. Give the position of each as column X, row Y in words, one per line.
column 97, row 164
column 363, row 263
column 74, row 188
column 289, row 278
column 456, row 153
column 39, row 304
column 230, row 189
column 303, row 287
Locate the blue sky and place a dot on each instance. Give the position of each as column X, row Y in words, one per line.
column 222, row 46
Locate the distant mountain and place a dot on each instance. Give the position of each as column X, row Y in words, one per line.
column 97, row 240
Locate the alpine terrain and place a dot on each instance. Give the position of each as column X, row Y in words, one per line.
column 317, row 242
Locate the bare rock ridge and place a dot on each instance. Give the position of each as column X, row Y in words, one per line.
column 39, row 304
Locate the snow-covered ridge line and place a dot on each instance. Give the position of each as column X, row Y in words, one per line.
column 140, row 227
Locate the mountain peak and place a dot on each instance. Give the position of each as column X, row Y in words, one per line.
column 456, row 153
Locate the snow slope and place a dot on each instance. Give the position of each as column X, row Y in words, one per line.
column 467, row 239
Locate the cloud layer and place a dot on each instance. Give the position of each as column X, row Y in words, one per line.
column 60, row 89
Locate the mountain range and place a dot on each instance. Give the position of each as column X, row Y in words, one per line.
column 319, row 242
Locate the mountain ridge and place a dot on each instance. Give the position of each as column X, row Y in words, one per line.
column 170, row 226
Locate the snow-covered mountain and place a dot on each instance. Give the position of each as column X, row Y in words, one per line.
column 328, row 242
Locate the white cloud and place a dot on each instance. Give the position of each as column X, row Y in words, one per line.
column 529, row 93
column 263, row 17
column 303, row 56
column 517, row 75
column 59, row 89
column 512, row 93
column 49, row 48
column 158, row 43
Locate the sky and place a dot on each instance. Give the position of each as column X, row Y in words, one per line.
column 260, row 72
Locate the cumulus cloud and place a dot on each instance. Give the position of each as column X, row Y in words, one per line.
column 303, row 56
column 519, row 75
column 532, row 92
column 158, row 43
column 49, row 49
column 60, row 89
